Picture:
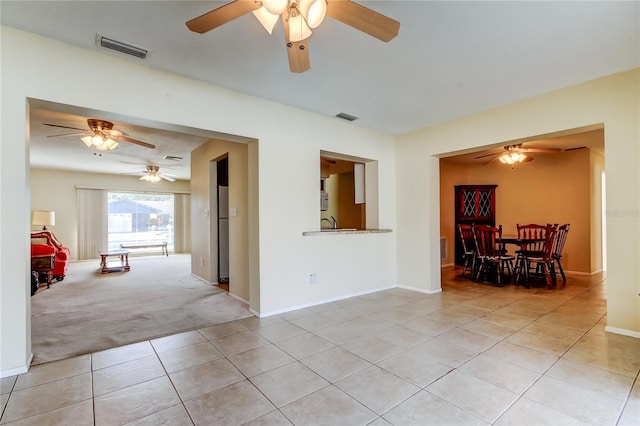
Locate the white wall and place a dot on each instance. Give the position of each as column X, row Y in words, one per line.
column 613, row 101
column 287, row 186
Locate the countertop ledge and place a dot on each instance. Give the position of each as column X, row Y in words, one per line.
column 347, row 231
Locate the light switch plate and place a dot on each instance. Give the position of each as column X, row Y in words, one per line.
column 233, row 212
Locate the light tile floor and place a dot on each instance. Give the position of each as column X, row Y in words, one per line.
column 474, row 354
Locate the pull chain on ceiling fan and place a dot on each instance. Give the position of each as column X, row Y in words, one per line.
column 299, row 17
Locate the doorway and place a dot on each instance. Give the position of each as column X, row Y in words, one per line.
column 222, row 170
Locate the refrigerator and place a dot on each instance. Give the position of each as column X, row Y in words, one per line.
column 223, row 234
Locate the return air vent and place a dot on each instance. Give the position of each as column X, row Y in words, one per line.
column 443, row 248
column 346, row 116
column 121, row 46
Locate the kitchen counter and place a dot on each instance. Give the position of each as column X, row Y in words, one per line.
column 346, row 231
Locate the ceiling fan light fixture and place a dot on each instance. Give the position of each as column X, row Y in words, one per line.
column 97, row 140
column 87, row 141
column 513, row 157
column 314, row 11
column 298, row 28
column 266, row 18
column 275, row 7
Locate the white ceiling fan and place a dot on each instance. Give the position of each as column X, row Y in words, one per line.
column 152, row 174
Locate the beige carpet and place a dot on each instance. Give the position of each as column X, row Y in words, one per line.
column 89, row 311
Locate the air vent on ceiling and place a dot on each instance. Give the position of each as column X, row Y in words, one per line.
column 121, row 46
column 346, row 116
column 172, row 158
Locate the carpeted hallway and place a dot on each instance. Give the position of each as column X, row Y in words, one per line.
column 89, row 311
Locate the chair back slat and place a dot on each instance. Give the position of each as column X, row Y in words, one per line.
column 466, row 235
column 560, row 240
column 549, row 243
column 533, row 231
column 488, row 240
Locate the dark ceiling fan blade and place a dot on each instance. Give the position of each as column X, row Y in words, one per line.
column 135, row 141
column 487, row 155
column 492, row 160
column 298, row 51
column 64, row 127
column 547, row 150
column 361, row 18
column 222, row 15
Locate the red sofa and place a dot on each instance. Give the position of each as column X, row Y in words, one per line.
column 43, row 243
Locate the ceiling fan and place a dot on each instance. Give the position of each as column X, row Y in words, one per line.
column 101, row 134
column 298, row 18
column 516, row 154
column 152, row 174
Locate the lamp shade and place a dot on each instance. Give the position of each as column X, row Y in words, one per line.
column 298, row 28
column 44, row 218
column 275, row 7
column 266, row 18
column 313, row 11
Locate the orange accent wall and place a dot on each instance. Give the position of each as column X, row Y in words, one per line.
column 554, row 188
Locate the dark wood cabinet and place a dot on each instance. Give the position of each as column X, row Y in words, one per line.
column 474, row 204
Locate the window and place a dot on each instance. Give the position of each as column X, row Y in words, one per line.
column 136, row 218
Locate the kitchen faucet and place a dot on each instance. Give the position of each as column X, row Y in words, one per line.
column 334, row 225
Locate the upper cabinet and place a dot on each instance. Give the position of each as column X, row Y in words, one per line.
column 475, row 203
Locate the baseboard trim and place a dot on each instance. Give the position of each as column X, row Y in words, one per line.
column 420, row 290
column 622, row 331
column 239, row 298
column 17, row 370
column 320, row 302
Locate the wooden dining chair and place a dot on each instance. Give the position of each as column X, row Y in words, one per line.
column 544, row 259
column 558, row 247
column 489, row 254
column 469, row 248
column 535, row 248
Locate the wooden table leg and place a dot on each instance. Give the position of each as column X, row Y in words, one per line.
column 126, row 262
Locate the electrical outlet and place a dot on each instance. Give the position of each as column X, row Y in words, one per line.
column 312, row 278
column 201, row 261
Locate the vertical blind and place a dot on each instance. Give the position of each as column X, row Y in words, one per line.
column 92, row 222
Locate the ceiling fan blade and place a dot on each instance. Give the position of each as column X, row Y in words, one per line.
column 547, row 150
column 67, row 134
column 486, row 155
column 361, row 18
column 491, row 161
column 222, row 15
column 165, row 177
column 135, row 141
column 298, row 52
column 64, row 127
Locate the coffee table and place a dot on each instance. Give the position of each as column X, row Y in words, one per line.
column 114, row 266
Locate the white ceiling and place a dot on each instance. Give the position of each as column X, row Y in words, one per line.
column 450, row 59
